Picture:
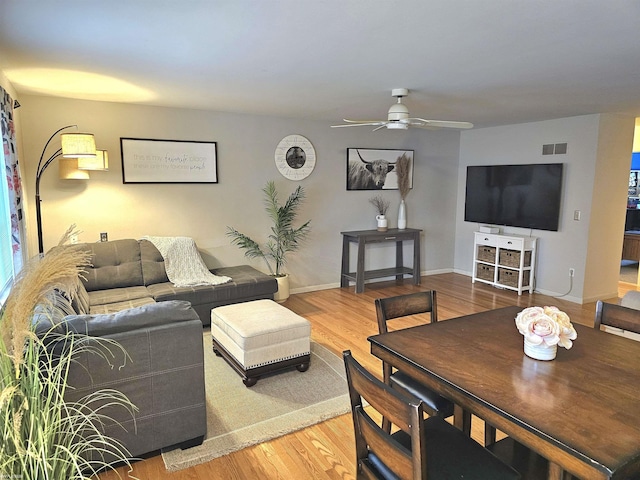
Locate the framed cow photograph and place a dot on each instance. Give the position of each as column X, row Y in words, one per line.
column 370, row 169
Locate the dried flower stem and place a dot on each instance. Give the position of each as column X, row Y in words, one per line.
column 402, row 170
column 381, row 204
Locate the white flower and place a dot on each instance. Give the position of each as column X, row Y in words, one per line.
column 546, row 325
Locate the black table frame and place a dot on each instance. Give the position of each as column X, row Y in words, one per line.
column 362, row 237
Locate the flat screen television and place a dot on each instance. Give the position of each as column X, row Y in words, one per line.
column 525, row 195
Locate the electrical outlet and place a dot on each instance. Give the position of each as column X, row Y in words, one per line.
column 73, row 239
column 104, row 237
column 572, row 272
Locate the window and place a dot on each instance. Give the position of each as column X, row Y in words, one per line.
column 6, row 251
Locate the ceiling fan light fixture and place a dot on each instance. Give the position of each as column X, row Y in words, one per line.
column 399, row 111
column 398, row 118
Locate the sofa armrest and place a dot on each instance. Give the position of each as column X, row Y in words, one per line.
column 146, row 316
column 162, row 373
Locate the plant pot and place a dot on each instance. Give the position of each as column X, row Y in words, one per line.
column 283, row 288
column 540, row 352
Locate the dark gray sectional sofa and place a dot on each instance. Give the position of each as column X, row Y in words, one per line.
column 129, row 273
column 126, row 297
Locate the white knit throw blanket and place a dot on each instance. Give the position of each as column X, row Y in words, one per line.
column 183, row 263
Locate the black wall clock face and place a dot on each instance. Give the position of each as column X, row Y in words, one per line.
column 295, row 157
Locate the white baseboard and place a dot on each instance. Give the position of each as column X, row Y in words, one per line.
column 314, row 288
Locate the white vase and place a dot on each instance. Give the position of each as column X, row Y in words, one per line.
column 540, row 352
column 382, row 223
column 402, row 216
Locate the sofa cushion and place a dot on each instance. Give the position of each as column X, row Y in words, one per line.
column 113, row 264
column 153, row 270
column 246, row 282
column 52, row 311
column 146, row 316
column 80, row 301
column 115, row 295
column 117, row 306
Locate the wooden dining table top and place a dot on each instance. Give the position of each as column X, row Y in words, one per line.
column 580, row 410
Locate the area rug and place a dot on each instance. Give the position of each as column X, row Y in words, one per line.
column 238, row 417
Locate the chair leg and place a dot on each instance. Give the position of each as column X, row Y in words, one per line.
column 386, row 425
column 462, row 419
column 489, row 434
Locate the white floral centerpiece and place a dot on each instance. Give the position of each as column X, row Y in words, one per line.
column 544, row 328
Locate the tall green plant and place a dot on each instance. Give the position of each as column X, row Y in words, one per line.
column 284, row 237
column 42, row 435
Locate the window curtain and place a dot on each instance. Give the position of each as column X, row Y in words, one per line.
column 12, row 178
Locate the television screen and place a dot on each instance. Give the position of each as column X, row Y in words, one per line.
column 515, row 195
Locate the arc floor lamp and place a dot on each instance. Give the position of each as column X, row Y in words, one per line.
column 77, row 146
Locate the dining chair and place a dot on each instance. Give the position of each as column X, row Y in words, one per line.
column 525, row 461
column 617, row 316
column 392, row 308
column 420, row 448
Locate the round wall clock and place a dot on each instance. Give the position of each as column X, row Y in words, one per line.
column 295, row 157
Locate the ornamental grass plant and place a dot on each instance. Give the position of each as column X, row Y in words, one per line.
column 44, row 436
column 403, row 166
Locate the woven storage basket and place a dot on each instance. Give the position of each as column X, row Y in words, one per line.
column 486, row 254
column 485, row 272
column 510, row 277
column 511, row 258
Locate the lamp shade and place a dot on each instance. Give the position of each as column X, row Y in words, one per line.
column 100, row 162
column 68, row 170
column 78, row 145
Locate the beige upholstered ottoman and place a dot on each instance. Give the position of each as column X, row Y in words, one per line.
column 260, row 337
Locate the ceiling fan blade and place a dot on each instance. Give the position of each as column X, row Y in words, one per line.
column 421, row 122
column 360, row 123
column 380, row 127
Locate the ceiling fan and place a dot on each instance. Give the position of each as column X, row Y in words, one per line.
column 398, row 118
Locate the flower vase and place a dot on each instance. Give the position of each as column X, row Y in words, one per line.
column 402, row 216
column 540, row 352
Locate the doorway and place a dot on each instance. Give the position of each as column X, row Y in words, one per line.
column 629, row 265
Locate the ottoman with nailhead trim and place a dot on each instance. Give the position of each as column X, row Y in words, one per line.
column 260, row 337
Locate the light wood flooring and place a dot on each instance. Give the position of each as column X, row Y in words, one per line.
column 342, row 320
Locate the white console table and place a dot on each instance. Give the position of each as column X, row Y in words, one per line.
column 505, row 261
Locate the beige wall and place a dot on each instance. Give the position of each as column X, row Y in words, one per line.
column 246, row 146
column 606, row 229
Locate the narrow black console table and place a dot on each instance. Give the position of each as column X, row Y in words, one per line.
column 362, row 237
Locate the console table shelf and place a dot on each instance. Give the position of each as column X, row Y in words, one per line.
column 382, row 272
column 362, row 237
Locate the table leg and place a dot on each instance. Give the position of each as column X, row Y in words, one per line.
column 360, row 266
column 399, row 261
column 344, row 281
column 416, row 259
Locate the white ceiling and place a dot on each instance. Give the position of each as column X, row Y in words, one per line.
column 490, row 62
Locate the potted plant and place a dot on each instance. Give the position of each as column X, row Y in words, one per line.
column 381, row 205
column 43, row 435
column 283, row 239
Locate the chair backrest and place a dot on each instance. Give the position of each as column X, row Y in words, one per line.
column 617, row 316
column 374, row 446
column 405, row 305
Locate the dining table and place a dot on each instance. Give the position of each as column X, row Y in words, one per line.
column 580, row 410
